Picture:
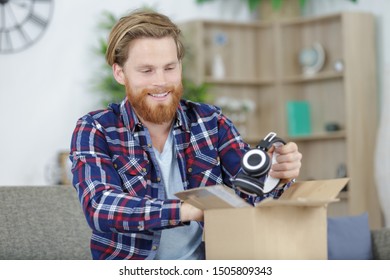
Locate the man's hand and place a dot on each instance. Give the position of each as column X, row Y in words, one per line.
column 190, row 213
column 288, row 162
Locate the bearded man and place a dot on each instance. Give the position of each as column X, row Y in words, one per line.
column 130, row 159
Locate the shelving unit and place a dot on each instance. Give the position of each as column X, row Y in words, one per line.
column 261, row 63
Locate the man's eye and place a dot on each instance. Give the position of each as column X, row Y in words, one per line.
column 170, row 68
column 146, row 70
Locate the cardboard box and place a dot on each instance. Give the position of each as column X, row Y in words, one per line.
column 291, row 227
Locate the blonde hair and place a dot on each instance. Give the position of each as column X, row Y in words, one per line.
column 140, row 24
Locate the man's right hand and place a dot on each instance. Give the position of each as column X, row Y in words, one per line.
column 190, row 213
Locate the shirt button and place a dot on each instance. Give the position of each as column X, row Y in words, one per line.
column 116, row 165
column 149, row 145
column 172, row 223
column 189, row 170
column 158, row 179
column 154, row 247
column 140, row 227
column 144, row 169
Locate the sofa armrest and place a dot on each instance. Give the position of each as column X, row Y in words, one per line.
column 381, row 243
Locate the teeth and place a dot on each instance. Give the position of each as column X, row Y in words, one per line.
column 159, row 94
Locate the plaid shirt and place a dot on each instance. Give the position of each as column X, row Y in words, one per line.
column 119, row 182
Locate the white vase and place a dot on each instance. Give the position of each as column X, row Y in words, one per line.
column 218, row 67
column 382, row 155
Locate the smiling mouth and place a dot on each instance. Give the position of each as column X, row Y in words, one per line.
column 159, row 95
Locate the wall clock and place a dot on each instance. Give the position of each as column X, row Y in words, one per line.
column 22, row 23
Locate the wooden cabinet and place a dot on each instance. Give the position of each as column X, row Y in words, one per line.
column 261, row 63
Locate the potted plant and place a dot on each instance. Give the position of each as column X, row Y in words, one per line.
column 104, row 82
column 271, row 9
column 254, row 4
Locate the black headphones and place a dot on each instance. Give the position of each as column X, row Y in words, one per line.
column 256, row 163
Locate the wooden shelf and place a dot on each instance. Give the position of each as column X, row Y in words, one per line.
column 239, row 81
column 319, row 77
column 320, row 136
column 311, row 20
column 261, row 63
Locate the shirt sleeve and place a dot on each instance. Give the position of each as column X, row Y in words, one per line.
column 106, row 206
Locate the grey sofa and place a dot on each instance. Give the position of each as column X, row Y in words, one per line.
column 47, row 223
column 381, row 244
column 44, row 223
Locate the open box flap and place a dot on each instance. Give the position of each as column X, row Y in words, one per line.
column 304, row 193
column 213, row 197
column 318, row 190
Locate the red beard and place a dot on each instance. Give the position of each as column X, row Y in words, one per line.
column 157, row 114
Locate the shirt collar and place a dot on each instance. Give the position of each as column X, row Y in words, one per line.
column 181, row 118
column 129, row 117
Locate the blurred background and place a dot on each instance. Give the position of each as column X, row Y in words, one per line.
column 60, row 75
column 46, row 87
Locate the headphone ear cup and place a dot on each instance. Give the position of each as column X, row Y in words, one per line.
column 256, row 162
column 248, row 184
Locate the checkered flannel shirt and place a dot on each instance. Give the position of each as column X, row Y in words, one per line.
column 118, row 180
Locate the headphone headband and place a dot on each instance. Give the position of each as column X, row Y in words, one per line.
column 269, row 140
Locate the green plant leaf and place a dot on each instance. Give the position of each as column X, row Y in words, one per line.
column 194, row 92
column 203, row 1
column 276, row 4
column 253, row 4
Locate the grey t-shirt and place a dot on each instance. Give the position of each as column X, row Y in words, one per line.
column 182, row 242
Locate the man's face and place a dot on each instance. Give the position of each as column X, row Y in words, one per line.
column 152, row 76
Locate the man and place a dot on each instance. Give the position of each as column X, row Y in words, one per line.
column 130, row 159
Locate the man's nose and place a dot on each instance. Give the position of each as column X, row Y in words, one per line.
column 159, row 78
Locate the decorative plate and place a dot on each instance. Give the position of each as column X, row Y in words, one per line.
column 312, row 59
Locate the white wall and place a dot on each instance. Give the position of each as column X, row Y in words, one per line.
column 47, row 87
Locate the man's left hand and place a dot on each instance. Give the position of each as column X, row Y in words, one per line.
column 288, row 162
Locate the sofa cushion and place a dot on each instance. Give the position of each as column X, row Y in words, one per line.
column 349, row 238
column 381, row 243
column 42, row 223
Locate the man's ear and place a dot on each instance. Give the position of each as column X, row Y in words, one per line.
column 118, row 73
